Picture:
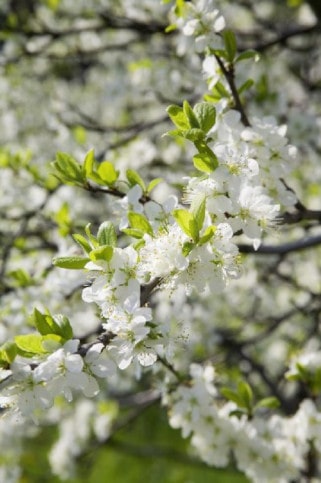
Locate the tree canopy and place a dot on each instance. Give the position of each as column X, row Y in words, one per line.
column 160, row 240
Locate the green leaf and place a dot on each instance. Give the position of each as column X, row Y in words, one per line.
column 134, row 178
column 178, row 116
column 245, row 86
column 93, row 240
column 187, row 248
column 63, row 327
column 302, row 370
column 88, row 165
column 104, row 253
column 80, row 134
column 246, row 394
column 83, row 242
column 230, row 44
column 194, row 135
column 206, row 115
column 58, row 325
column 205, row 160
column 248, row 54
column 198, row 210
column 140, row 222
column 189, row 113
column 239, row 413
column 208, row 234
column 68, row 169
column 63, row 220
column 20, row 278
column 107, row 234
column 72, row 263
column 43, row 322
column 172, row 26
column 232, row 396
column 268, row 402
column 8, row 352
column 133, row 232
column 52, row 4
column 219, row 91
column 89, row 168
column 219, row 53
column 188, row 224
column 153, row 184
column 107, row 173
column 175, row 133
column 179, row 8
column 29, row 345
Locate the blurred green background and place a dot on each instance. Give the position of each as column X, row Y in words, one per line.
column 140, row 452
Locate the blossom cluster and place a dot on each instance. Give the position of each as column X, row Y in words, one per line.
column 34, row 387
column 271, row 451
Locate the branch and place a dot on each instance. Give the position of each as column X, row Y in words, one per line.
column 228, row 73
column 283, row 37
column 237, row 349
column 285, row 248
column 106, row 20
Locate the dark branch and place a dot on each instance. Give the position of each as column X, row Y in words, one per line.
column 285, row 248
column 228, row 72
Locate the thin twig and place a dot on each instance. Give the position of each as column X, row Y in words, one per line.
column 228, row 73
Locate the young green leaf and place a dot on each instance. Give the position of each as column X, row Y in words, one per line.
column 63, row 327
column 29, row 345
column 19, row 278
column 153, row 184
column 198, row 210
column 134, row 178
column 178, row 117
column 207, row 235
column 206, row 115
column 248, row 54
column 268, row 402
column 205, row 160
column 203, row 163
column 172, row 26
column 187, row 248
column 246, row 394
column 93, row 240
column 104, row 252
column 47, row 324
column 83, row 242
column 88, row 165
column 43, row 322
column 68, row 170
column 107, row 234
column 63, row 219
column 192, row 119
column 194, row 135
column 8, row 352
column 72, row 263
column 134, row 232
column 219, row 53
column 220, row 91
column 232, row 396
column 187, row 222
column 230, row 44
column 140, row 222
column 107, row 173
column 245, row 86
